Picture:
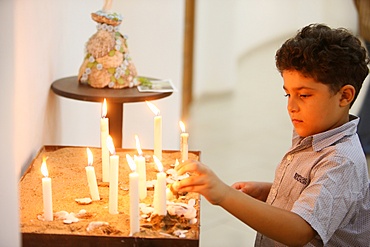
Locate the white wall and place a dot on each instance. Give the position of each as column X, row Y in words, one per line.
column 42, row 41
column 228, row 30
column 9, row 235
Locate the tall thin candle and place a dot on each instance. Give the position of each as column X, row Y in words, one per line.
column 134, row 197
column 91, row 177
column 46, row 192
column 157, row 130
column 113, row 177
column 104, row 132
column 141, row 169
column 160, row 200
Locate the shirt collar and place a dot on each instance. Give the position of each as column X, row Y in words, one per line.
column 324, row 139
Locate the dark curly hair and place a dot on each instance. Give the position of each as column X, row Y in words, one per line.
column 331, row 56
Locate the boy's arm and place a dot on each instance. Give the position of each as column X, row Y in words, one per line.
column 278, row 224
column 281, row 225
column 258, row 190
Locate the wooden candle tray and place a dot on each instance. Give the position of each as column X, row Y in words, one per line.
column 66, row 166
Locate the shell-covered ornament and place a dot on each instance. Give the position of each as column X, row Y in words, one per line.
column 107, row 62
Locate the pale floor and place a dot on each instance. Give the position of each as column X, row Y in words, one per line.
column 242, row 136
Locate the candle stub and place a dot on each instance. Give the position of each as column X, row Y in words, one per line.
column 91, row 177
column 160, row 199
column 46, row 192
column 184, row 149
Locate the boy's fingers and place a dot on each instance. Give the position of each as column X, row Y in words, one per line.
column 188, row 166
column 189, row 183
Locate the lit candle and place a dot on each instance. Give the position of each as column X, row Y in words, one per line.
column 160, row 199
column 183, row 142
column 141, row 168
column 134, row 197
column 46, row 192
column 157, row 130
column 91, row 177
column 104, row 132
column 113, row 177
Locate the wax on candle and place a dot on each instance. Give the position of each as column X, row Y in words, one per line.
column 184, row 142
column 46, row 192
column 104, row 132
column 157, row 130
column 141, row 169
column 160, row 200
column 113, row 177
column 91, row 177
column 134, row 197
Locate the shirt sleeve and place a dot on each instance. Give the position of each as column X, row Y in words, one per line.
column 329, row 201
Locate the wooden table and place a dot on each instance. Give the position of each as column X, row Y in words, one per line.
column 69, row 87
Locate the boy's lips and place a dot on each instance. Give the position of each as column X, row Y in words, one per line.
column 296, row 121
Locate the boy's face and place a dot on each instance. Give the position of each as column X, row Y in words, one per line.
column 312, row 107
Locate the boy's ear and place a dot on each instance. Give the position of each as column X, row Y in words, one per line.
column 347, row 95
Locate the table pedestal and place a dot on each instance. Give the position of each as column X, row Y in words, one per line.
column 115, row 116
column 69, row 87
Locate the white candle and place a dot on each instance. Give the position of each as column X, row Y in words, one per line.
column 157, row 130
column 46, row 192
column 160, row 199
column 104, row 132
column 91, row 177
column 141, row 168
column 134, row 197
column 113, row 177
column 184, row 142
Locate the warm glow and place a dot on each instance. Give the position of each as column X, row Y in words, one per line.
column 104, row 109
column 182, row 126
column 131, row 162
column 90, row 157
column 139, row 151
column 153, row 108
column 158, row 163
column 44, row 168
column 110, row 145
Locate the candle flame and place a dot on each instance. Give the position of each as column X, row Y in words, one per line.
column 104, row 109
column 90, row 157
column 182, row 126
column 153, row 108
column 139, row 151
column 158, row 163
column 110, row 145
column 131, row 162
column 44, row 168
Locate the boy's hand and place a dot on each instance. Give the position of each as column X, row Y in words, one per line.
column 258, row 190
column 201, row 180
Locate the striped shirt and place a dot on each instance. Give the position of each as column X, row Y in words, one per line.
column 324, row 179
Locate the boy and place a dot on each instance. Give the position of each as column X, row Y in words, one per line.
column 320, row 195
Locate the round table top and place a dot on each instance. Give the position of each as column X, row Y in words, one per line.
column 70, row 87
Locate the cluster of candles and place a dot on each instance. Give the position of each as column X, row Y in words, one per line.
column 110, row 167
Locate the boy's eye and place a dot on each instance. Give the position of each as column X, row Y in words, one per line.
column 304, row 95
column 287, row 95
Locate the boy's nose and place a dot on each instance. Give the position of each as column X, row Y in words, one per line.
column 292, row 105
